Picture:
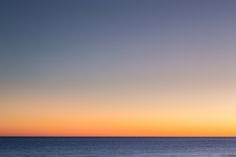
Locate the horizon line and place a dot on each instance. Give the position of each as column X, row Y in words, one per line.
column 67, row 136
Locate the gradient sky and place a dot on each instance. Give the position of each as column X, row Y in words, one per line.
column 118, row 67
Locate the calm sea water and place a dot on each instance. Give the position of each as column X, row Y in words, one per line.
column 117, row 147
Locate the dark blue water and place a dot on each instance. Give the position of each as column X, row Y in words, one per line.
column 117, row 147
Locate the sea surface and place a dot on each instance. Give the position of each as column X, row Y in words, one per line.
column 116, row 147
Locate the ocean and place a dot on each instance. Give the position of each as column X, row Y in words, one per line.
column 116, row 147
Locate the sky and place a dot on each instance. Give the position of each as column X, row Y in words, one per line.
column 117, row 68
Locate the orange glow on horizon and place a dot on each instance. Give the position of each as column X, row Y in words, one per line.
column 40, row 113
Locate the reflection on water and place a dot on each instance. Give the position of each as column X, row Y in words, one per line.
column 117, row 147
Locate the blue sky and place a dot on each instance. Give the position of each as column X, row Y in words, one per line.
column 122, row 50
